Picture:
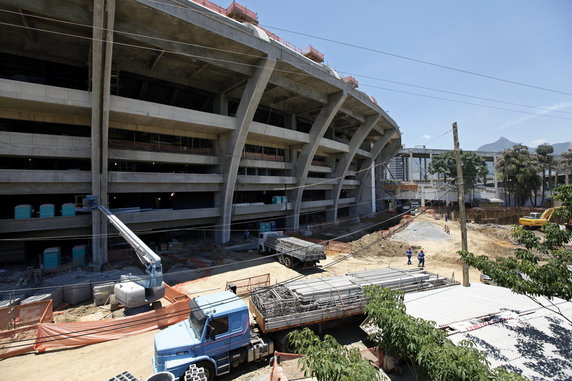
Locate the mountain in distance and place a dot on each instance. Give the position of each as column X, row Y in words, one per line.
column 503, row 144
column 560, row 148
column 498, row 146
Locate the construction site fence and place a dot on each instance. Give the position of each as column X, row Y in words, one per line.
column 489, row 215
column 246, row 285
column 46, row 335
column 13, row 317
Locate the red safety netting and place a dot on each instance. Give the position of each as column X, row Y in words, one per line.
column 44, row 335
column 62, row 335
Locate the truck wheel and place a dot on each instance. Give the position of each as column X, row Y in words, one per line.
column 287, row 261
column 281, row 259
column 283, row 344
column 208, row 371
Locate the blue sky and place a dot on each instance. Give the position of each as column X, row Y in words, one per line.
column 527, row 41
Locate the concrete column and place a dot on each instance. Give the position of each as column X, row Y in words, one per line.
column 232, row 150
column 306, row 156
column 373, row 172
column 410, row 167
column 102, row 51
column 345, row 161
column 496, row 182
column 363, row 173
column 221, row 104
column 431, row 160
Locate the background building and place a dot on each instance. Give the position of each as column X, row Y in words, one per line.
column 185, row 113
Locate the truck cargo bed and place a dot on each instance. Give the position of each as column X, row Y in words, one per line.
column 312, row 301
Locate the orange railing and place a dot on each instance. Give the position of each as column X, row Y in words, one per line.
column 241, row 10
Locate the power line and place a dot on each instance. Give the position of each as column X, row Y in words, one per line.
column 204, row 228
column 473, row 73
column 146, row 320
column 352, row 45
column 160, row 50
column 467, row 103
column 208, row 267
column 454, row 93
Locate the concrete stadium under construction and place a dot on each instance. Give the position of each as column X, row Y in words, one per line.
column 182, row 113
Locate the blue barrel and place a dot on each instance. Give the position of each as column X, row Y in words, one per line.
column 272, row 226
column 23, row 211
column 284, row 199
column 68, row 209
column 52, row 258
column 79, row 255
column 276, row 199
column 47, row 210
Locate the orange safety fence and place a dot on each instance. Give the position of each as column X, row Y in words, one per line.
column 17, row 341
column 245, row 286
column 26, row 314
column 44, row 336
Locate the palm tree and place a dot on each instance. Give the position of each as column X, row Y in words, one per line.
column 520, row 169
column 546, row 160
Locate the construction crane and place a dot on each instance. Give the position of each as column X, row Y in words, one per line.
column 135, row 291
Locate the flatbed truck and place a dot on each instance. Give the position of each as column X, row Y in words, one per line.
column 292, row 251
column 219, row 333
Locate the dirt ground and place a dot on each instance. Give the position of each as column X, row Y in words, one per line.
column 105, row 360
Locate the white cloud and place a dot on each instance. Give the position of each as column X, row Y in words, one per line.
column 547, row 110
column 537, row 142
column 427, row 136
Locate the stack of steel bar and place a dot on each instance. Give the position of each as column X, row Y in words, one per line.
column 314, row 300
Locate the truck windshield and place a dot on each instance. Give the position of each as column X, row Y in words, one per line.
column 197, row 319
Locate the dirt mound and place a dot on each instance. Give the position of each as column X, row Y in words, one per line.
column 374, row 244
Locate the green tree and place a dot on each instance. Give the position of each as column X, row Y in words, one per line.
column 546, row 160
column 565, row 164
column 423, row 346
column 520, row 172
column 474, row 167
column 542, row 267
column 327, row 360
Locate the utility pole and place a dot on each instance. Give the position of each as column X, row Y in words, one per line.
column 461, row 194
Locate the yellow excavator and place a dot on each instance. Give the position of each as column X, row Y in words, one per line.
column 537, row 220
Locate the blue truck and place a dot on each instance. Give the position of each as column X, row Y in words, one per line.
column 216, row 336
column 219, row 334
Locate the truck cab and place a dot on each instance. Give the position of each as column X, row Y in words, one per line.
column 267, row 241
column 214, row 336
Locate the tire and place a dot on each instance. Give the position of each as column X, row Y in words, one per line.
column 209, row 370
column 281, row 259
column 287, row 261
column 283, row 344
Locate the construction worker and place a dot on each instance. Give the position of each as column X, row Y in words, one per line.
column 408, row 252
column 421, row 258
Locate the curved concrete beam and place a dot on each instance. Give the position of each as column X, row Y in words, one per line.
column 232, row 151
column 302, row 166
column 344, row 164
